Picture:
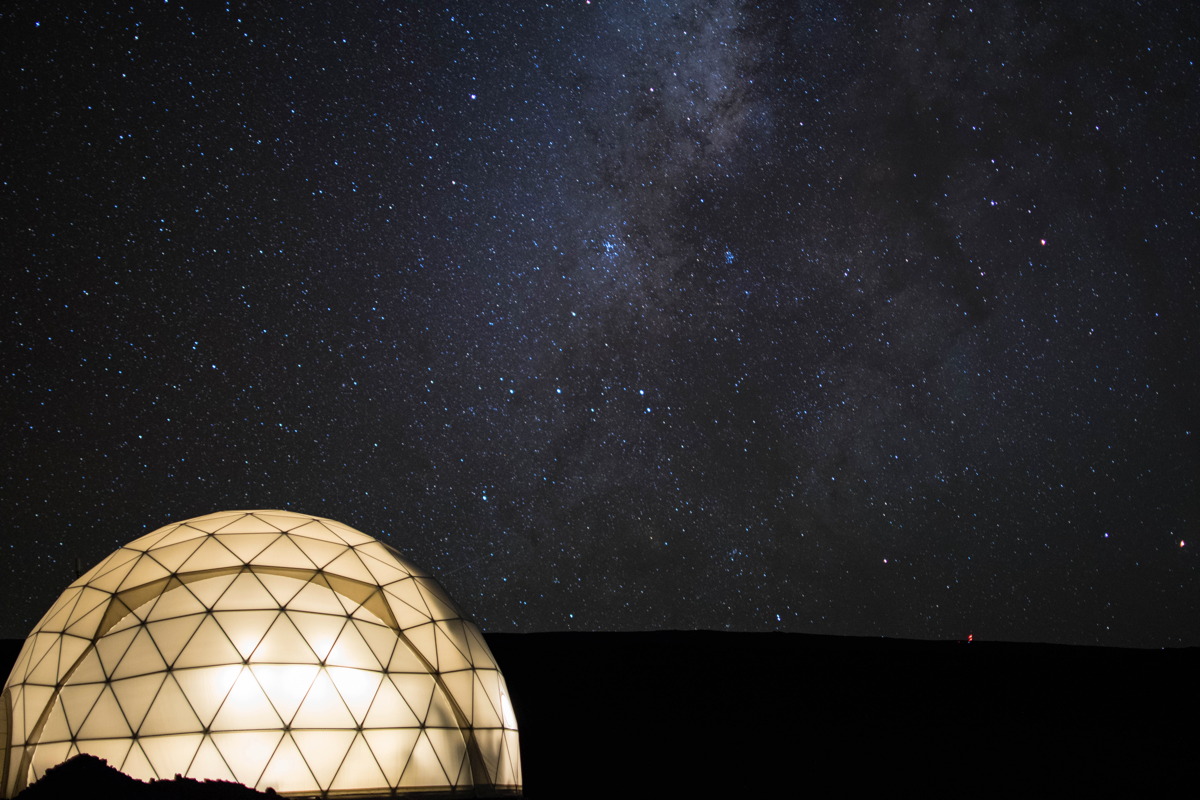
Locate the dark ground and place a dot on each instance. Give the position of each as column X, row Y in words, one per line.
column 749, row 713
column 734, row 714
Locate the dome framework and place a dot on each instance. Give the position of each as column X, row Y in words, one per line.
column 269, row 648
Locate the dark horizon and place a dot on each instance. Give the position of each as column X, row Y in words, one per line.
column 672, row 315
column 599, row 710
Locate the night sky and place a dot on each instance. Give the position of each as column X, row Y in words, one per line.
column 788, row 316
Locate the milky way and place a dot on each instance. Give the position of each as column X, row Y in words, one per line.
column 774, row 316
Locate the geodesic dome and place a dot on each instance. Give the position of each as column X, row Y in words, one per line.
column 265, row 647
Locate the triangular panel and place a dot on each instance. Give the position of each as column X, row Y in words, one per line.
column 209, row 764
column 208, row 646
column 319, row 551
column 392, row 749
column 72, row 648
column 88, row 612
column 359, row 770
column 245, row 628
column 206, row 688
column 146, row 570
column 351, row 650
column 171, row 755
column 177, row 600
column 318, row 598
column 181, row 534
column 57, row 728
column 171, row 635
column 112, row 648
column 214, row 522
column 283, row 644
column 247, row 545
column 116, row 571
column 77, row 701
column 288, row 770
column 450, row 656
column 417, row 691
column 283, row 521
column 282, row 588
column 424, row 768
column 349, row 565
column 389, row 710
column 105, row 720
column 246, row 592
column 248, row 524
column 379, row 638
column 424, row 642
column 142, row 657
column 323, row 707
column 247, row 752
column 319, row 630
column 246, row 707
column 209, row 590
column 283, row 552
column 135, row 695
column 39, row 647
column 481, row 654
column 356, row 687
column 153, row 538
column 334, row 536
column 441, row 714
column 313, row 529
column 286, row 685
column 170, row 713
column 384, row 572
column 451, row 750
column 348, row 534
column 57, row 618
column 45, row 669
column 490, row 745
column 323, row 751
column 172, row 557
column 211, row 554
column 407, row 603
column 137, row 765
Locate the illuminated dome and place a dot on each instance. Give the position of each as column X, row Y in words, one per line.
column 264, row 647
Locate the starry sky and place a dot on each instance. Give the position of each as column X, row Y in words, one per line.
column 798, row 316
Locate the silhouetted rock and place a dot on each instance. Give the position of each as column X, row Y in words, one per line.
column 83, row 776
column 86, row 776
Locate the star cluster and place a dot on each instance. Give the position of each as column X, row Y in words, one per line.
column 696, row 314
